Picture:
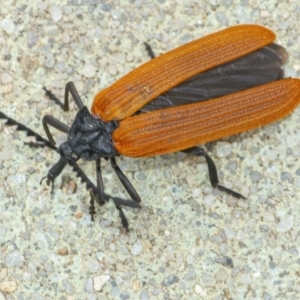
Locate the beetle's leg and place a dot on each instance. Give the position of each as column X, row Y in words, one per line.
column 54, row 172
column 125, row 181
column 100, row 187
column 50, row 121
column 128, row 187
column 149, row 50
column 60, row 165
column 212, row 171
column 70, row 89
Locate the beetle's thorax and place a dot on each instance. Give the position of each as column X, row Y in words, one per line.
column 90, row 137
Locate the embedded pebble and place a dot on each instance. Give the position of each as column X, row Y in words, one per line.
column 55, row 12
column 99, row 282
column 92, row 266
column 8, row 287
column 230, row 233
column 223, row 149
column 199, row 289
column 170, row 280
column 6, row 78
column 32, row 38
column 5, row 154
column 112, row 69
column 14, row 259
column 8, row 26
column 285, row 224
column 208, row 280
column 3, row 273
column 89, row 71
column 209, row 200
column 144, row 295
column 137, row 248
column 68, row 287
column 255, row 176
column 222, row 18
column 49, row 60
column 89, row 287
column 246, row 278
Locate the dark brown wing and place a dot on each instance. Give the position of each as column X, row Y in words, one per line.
column 260, row 67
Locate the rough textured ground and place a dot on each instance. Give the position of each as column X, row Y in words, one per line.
column 188, row 241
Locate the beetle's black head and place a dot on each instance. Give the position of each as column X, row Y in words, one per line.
column 90, row 137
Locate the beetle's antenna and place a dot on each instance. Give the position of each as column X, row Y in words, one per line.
column 79, row 173
column 51, row 96
column 29, row 132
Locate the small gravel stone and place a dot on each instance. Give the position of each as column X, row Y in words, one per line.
column 32, row 38
column 89, row 71
column 230, row 233
column 285, row 224
column 5, row 154
column 6, row 78
column 222, row 18
column 3, row 274
column 8, row 26
column 56, row 13
column 246, row 279
column 209, row 200
column 99, row 281
column 137, row 248
column 268, row 217
column 255, row 176
column 92, row 265
column 49, row 60
column 170, row 280
column 68, row 287
column 14, row 259
column 221, row 276
column 223, row 149
column 208, row 280
column 224, row 260
column 88, row 287
column 112, row 69
column 199, row 289
column 8, row 287
column 90, row 297
column 144, row 295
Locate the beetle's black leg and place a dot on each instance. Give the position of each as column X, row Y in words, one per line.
column 70, row 89
column 100, row 187
column 54, row 172
column 125, row 181
column 123, row 218
column 212, row 171
column 60, row 165
column 128, row 187
column 50, row 121
column 149, row 50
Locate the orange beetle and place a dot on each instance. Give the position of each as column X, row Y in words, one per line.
column 160, row 107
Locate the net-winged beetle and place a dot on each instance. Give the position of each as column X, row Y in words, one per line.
column 160, row 107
